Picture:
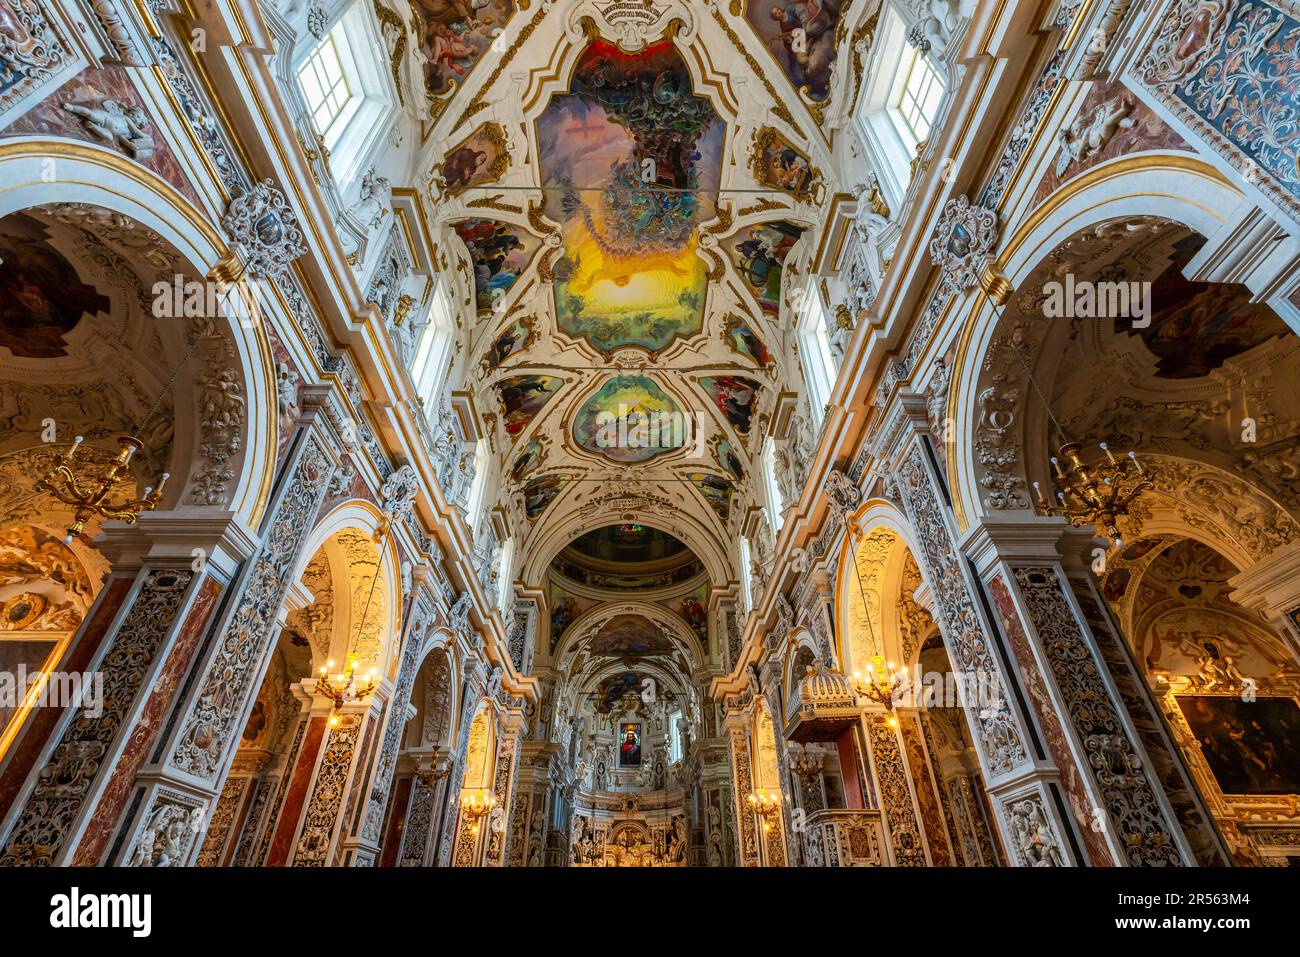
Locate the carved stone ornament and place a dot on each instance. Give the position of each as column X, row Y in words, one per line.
column 459, row 615
column 121, row 125
column 1035, row 840
column 963, row 243
column 34, row 55
column 635, row 25
column 317, row 20
column 844, row 495
column 267, row 230
column 1091, row 131
column 399, row 492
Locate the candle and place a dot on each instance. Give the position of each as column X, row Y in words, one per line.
column 1105, row 448
column 1134, row 456
column 1057, row 464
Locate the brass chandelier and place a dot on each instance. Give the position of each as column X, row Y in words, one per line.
column 88, row 494
column 1096, row 495
column 767, row 804
column 342, row 688
column 881, row 683
column 477, row 804
column 805, row 762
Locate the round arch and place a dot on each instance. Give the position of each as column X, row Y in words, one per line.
column 545, row 542
column 586, row 625
column 877, row 524
column 102, row 179
column 359, row 515
column 1167, row 186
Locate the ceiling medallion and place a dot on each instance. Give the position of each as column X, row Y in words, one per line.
column 481, row 158
column 778, row 163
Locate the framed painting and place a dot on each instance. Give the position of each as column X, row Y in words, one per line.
column 629, row 744
column 1250, row 746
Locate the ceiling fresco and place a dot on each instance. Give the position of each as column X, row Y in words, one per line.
column 41, row 296
column 499, row 253
column 735, row 397
column 522, row 397
column 629, row 636
column 1196, row 326
column 630, row 160
column 800, row 35
column 540, row 492
column 758, row 254
column 481, row 158
column 454, row 35
column 633, row 191
column 629, row 419
column 628, row 542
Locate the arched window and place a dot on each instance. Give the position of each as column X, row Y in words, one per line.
column 432, row 355
column 346, row 90
column 899, row 104
column 478, row 491
column 746, row 596
column 505, row 561
column 775, row 505
column 815, row 351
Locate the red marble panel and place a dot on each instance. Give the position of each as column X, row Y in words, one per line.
column 396, row 821
column 41, row 722
column 1147, row 132
column 848, row 752
column 1032, row 679
column 936, row 833
column 296, row 797
column 88, row 89
column 143, row 736
column 359, row 780
column 241, row 821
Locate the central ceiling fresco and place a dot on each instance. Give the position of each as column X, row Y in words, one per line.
column 630, row 162
column 627, row 194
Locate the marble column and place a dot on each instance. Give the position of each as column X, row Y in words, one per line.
column 509, row 742
column 428, row 793
column 534, row 788
column 182, row 776
column 905, row 843
column 318, row 841
column 364, row 841
column 738, row 724
column 456, row 842
column 1021, row 779
column 1120, row 805
column 70, row 776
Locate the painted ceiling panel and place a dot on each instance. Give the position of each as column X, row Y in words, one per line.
column 629, row 419
column 630, row 158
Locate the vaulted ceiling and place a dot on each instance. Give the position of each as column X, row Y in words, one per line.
column 627, row 192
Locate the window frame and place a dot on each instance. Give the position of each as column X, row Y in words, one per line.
column 880, row 125
column 775, row 504
column 361, row 55
column 433, row 353
column 815, row 356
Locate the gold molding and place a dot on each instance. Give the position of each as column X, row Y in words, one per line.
column 779, row 109
column 497, row 137
column 768, row 136
column 146, row 177
column 478, row 104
